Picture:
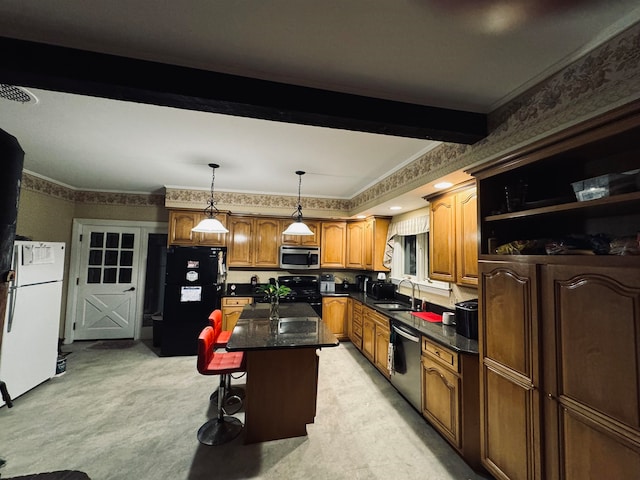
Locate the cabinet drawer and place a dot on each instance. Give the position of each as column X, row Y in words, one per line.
column 380, row 319
column 444, row 355
column 357, row 329
column 235, row 301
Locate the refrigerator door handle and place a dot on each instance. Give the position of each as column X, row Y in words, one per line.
column 12, row 294
column 11, row 305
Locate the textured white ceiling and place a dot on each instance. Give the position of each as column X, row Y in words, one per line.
column 471, row 55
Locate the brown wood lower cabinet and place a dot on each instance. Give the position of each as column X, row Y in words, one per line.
column 591, row 365
column 355, row 324
column 560, row 372
column 231, row 310
column 335, row 313
column 450, row 398
column 375, row 339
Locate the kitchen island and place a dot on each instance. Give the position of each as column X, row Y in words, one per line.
column 282, row 368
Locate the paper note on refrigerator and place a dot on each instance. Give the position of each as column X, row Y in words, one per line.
column 37, row 254
column 190, row 294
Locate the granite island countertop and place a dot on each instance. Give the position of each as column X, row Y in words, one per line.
column 297, row 327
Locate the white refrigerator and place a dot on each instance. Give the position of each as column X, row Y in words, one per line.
column 29, row 350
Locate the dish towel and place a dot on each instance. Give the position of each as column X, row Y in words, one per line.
column 390, row 358
column 222, row 268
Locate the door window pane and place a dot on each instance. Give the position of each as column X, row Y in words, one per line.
column 110, row 275
column 111, row 257
column 125, row 275
column 93, row 275
column 127, row 240
column 126, row 259
column 95, row 257
column 97, row 239
column 113, row 240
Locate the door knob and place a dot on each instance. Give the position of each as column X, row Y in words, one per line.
column 129, row 289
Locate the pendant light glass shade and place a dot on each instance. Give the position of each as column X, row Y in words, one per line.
column 211, row 224
column 298, row 227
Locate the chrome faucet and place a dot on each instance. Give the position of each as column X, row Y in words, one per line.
column 413, row 291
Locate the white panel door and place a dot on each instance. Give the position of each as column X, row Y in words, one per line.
column 107, row 283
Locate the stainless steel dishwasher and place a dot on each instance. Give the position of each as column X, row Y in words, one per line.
column 405, row 375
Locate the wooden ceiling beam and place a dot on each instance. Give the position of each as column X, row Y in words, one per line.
column 49, row 67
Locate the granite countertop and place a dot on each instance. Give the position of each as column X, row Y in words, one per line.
column 298, row 327
column 443, row 334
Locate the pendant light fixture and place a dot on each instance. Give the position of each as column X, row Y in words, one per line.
column 297, row 227
column 211, row 224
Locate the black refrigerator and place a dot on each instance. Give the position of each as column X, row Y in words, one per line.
column 192, row 290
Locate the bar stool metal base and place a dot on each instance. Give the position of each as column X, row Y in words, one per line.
column 218, row 431
column 233, row 401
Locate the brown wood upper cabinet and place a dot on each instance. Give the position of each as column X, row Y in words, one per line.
column 453, row 237
column 375, row 240
column 182, row 221
column 366, row 240
column 333, row 244
column 355, row 245
column 301, row 240
column 253, row 242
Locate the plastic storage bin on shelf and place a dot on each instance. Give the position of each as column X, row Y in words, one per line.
column 605, row 185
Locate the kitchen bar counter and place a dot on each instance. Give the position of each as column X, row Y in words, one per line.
column 282, row 368
column 298, row 327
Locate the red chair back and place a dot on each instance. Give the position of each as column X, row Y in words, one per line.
column 206, row 341
column 215, row 320
column 210, row 362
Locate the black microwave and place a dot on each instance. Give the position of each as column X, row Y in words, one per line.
column 299, row 258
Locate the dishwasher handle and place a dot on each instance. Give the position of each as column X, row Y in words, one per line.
column 405, row 334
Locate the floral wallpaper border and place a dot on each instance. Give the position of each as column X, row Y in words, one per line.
column 605, row 78
column 47, row 187
column 180, row 198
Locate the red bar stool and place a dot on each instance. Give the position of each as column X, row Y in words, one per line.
column 223, row 428
column 222, row 338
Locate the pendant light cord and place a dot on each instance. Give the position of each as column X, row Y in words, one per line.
column 211, row 209
column 299, row 210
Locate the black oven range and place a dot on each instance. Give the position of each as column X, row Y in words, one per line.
column 304, row 288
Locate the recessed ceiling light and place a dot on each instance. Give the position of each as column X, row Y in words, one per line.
column 443, row 185
column 395, row 208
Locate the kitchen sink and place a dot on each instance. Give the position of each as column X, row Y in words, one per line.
column 395, row 306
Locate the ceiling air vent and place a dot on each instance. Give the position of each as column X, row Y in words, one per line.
column 17, row 94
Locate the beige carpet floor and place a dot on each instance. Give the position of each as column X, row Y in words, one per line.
column 125, row 413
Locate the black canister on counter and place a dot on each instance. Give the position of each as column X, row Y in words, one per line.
column 467, row 319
